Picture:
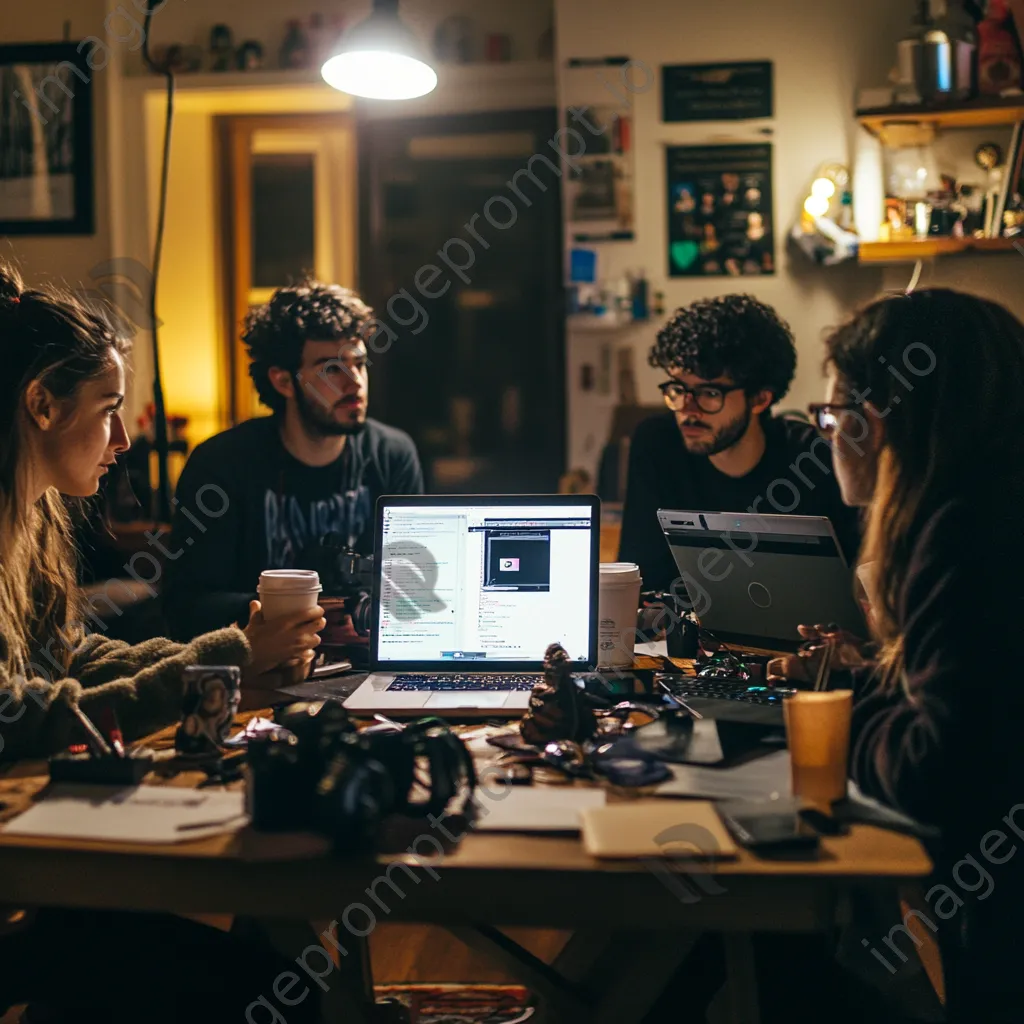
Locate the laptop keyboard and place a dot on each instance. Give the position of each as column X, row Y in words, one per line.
column 465, row 681
column 726, row 689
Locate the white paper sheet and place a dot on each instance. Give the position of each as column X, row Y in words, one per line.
column 130, row 814
column 764, row 778
column 535, row 808
column 654, row 649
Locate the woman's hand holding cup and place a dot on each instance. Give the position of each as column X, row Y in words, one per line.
column 284, row 625
column 284, row 641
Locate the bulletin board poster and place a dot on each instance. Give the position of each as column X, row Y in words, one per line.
column 597, row 131
column 720, row 211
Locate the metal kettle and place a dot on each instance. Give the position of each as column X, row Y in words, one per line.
column 944, row 54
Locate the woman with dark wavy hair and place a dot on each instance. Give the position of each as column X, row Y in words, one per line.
column 926, row 415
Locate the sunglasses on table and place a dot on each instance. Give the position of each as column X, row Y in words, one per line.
column 708, row 398
column 823, row 415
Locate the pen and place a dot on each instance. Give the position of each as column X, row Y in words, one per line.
column 96, row 741
column 825, row 668
column 682, row 703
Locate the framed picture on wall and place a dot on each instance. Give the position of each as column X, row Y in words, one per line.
column 46, row 140
column 720, row 220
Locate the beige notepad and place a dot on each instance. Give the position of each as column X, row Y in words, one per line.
column 657, row 828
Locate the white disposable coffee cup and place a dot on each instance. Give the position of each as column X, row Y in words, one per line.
column 288, row 591
column 617, row 605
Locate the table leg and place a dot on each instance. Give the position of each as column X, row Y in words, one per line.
column 546, row 981
column 598, row 978
column 741, row 996
column 627, row 978
column 349, row 998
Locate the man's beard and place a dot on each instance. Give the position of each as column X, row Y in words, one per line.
column 319, row 421
column 724, row 437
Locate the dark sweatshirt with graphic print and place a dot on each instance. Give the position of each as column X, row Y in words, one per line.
column 244, row 504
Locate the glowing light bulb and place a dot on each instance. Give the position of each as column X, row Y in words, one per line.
column 816, row 206
column 823, row 188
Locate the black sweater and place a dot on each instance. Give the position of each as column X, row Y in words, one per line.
column 946, row 747
column 244, row 505
column 796, row 467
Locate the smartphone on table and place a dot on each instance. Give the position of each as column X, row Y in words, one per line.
column 773, row 827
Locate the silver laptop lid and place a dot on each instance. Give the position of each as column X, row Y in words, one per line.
column 484, row 583
column 755, row 578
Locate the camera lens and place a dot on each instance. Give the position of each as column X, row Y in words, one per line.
column 361, row 619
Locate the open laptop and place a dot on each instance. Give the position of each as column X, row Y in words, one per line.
column 753, row 578
column 468, row 593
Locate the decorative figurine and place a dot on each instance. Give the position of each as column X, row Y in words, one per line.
column 559, row 709
column 988, row 156
column 250, row 56
column 453, row 40
column 295, row 50
column 212, row 695
column 222, row 48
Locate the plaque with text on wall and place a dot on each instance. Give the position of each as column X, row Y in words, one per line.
column 717, row 92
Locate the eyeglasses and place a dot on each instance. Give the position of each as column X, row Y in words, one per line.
column 708, row 398
column 823, row 415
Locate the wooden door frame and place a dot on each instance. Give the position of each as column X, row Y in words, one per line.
column 234, row 139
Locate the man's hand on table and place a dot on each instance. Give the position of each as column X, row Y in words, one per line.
column 802, row 667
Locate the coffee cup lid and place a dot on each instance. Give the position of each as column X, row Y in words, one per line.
column 281, row 581
column 620, row 569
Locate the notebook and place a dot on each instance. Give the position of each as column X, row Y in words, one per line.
column 688, row 829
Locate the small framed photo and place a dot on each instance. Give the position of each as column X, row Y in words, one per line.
column 46, row 140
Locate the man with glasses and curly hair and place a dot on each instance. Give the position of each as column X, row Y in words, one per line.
column 729, row 360
column 315, row 467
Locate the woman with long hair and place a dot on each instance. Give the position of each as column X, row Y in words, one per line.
column 61, row 390
column 926, row 415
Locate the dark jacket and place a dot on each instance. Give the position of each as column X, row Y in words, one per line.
column 946, row 747
column 244, row 504
column 662, row 474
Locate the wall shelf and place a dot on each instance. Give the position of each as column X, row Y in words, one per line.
column 981, row 113
column 585, row 323
column 925, row 248
column 501, row 85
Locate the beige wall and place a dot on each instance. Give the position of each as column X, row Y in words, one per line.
column 822, row 52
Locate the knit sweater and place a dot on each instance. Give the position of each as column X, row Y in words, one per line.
column 143, row 684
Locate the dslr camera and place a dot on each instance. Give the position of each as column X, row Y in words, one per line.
column 348, row 576
column 320, row 773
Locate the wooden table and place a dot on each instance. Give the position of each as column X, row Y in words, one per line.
column 639, row 920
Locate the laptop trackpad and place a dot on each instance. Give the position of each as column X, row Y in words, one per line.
column 469, row 699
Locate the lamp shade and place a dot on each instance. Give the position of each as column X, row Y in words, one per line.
column 381, row 59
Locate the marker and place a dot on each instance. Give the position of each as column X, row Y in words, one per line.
column 112, row 727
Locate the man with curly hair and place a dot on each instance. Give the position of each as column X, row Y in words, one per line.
column 729, row 360
column 314, row 468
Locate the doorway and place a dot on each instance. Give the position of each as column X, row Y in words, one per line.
column 478, row 375
column 291, row 188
